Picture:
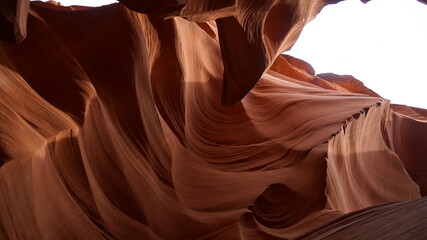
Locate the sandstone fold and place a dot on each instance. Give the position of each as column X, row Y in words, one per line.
column 182, row 120
column 362, row 169
column 13, row 20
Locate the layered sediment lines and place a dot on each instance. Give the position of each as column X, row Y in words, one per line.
column 182, row 120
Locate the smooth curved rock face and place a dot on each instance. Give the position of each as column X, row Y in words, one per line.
column 181, row 120
column 13, row 18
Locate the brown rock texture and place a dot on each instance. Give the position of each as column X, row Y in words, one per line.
column 13, row 18
column 179, row 119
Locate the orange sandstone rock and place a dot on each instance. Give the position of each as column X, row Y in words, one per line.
column 182, row 120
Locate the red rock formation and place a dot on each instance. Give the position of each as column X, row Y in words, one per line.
column 180, row 120
column 13, row 18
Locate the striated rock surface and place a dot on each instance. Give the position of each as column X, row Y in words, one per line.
column 181, row 119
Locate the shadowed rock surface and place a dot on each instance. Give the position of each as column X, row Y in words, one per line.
column 181, row 119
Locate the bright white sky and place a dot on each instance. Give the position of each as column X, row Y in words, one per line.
column 382, row 43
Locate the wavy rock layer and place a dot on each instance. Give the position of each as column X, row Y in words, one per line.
column 181, row 120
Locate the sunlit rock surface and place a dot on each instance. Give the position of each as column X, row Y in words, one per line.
column 182, row 120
